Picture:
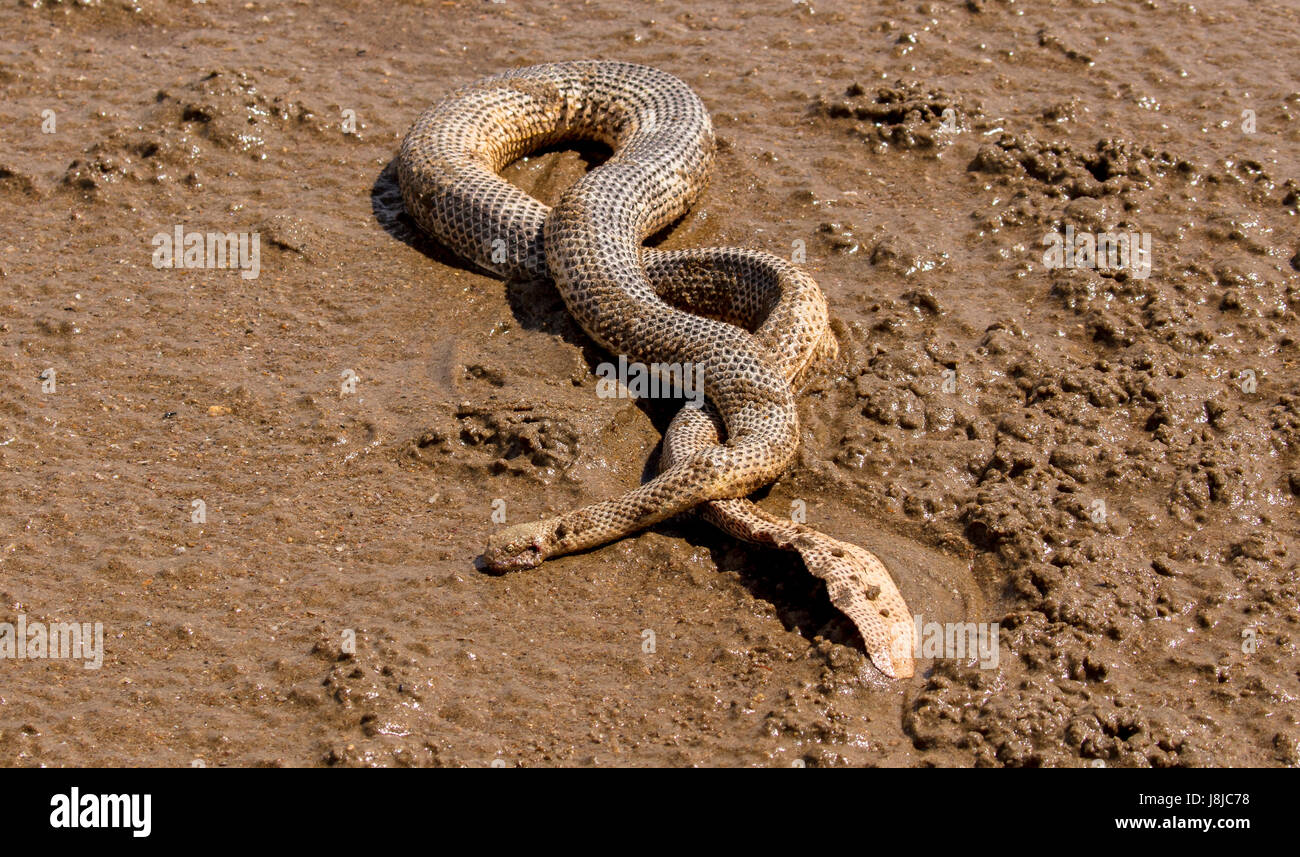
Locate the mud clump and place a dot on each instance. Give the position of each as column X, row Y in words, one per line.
column 519, row 440
column 904, row 115
column 223, row 110
column 1112, row 167
column 14, row 182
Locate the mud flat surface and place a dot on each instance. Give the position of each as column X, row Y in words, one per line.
column 1104, row 464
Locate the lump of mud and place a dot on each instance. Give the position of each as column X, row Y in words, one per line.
column 518, row 439
column 904, row 115
column 1112, row 167
column 12, row 181
column 168, row 137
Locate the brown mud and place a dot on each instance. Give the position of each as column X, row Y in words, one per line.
column 1104, row 464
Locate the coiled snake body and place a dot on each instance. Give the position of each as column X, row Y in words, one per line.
column 754, row 323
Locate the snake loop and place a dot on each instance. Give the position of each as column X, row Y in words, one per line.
column 752, row 322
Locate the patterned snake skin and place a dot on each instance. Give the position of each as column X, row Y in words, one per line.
column 753, row 322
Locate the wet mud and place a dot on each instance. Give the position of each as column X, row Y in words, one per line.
column 1100, row 459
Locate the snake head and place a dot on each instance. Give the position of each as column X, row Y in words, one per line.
column 515, row 548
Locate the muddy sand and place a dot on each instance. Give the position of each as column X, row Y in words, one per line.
column 269, row 491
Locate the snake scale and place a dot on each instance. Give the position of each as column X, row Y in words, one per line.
column 755, row 323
